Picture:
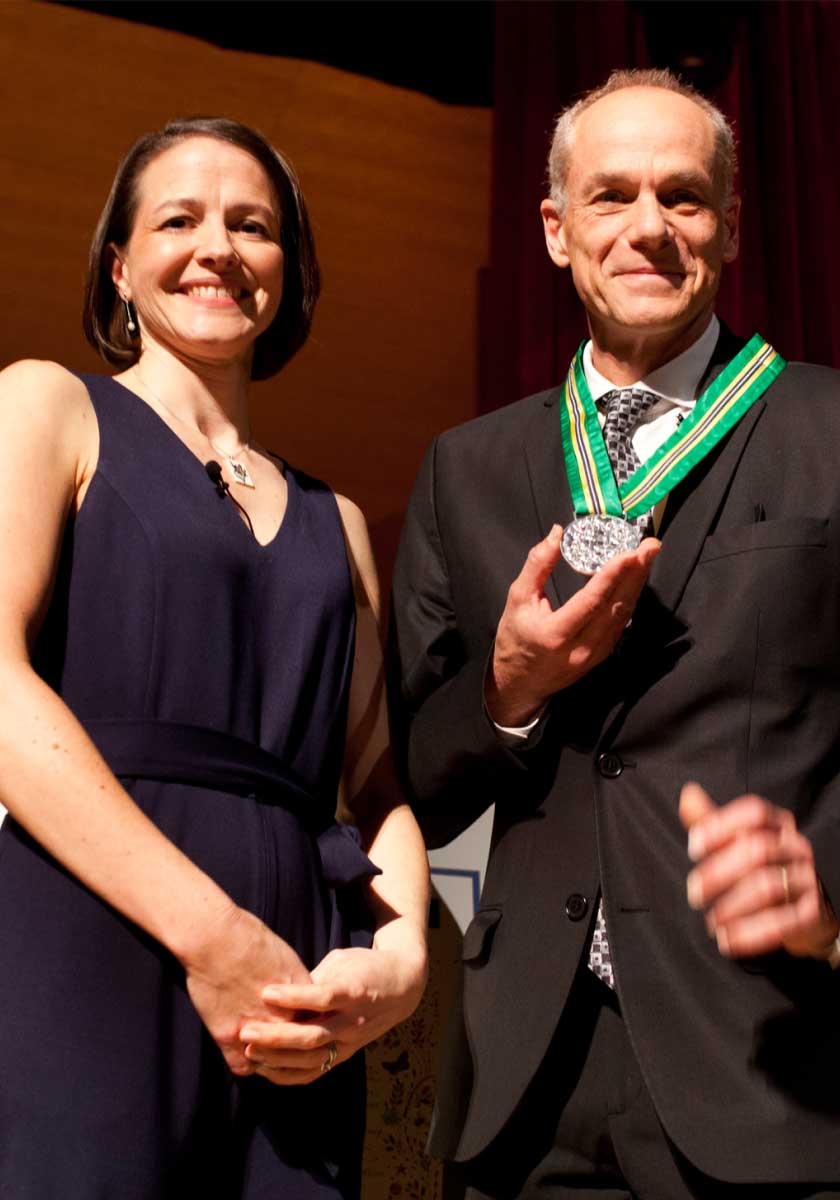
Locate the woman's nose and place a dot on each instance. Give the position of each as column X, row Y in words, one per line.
column 216, row 245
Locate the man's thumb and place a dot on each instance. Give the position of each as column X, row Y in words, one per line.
column 541, row 561
column 695, row 802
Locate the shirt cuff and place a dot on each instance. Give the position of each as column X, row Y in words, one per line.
column 511, row 735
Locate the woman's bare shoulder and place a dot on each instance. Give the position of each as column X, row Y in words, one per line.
column 46, row 408
column 355, row 531
column 360, row 550
column 352, row 516
column 37, row 382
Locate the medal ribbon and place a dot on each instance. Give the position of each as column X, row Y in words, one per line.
column 742, row 381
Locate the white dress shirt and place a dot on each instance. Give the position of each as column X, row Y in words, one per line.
column 676, row 383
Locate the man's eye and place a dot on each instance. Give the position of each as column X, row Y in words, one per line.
column 683, row 197
column 610, row 196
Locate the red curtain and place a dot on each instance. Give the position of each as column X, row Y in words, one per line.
column 782, row 92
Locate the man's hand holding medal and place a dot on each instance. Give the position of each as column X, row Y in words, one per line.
column 540, row 650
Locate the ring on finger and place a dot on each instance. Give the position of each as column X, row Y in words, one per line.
column 785, row 883
column 332, row 1055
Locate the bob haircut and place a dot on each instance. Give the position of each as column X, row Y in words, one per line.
column 104, row 320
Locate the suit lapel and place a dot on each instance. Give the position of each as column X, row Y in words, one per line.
column 695, row 502
column 543, row 449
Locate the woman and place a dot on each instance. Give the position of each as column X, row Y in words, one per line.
column 182, row 923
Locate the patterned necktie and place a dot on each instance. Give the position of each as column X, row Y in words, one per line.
column 625, row 408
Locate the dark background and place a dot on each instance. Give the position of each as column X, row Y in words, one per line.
column 441, row 47
column 444, row 48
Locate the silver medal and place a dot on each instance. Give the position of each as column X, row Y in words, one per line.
column 590, row 541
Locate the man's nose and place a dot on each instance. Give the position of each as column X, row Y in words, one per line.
column 648, row 222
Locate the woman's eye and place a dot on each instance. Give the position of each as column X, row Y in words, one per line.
column 249, row 226
column 175, row 223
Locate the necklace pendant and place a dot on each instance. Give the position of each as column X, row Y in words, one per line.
column 240, row 473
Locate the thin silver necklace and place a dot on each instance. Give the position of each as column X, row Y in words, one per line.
column 239, row 471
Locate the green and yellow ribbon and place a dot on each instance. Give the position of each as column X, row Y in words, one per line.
column 742, row 381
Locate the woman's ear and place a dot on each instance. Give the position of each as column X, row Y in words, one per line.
column 119, row 273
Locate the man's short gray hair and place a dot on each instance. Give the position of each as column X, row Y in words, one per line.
column 726, row 159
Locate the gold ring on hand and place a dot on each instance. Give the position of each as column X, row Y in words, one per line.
column 329, row 1061
column 785, row 883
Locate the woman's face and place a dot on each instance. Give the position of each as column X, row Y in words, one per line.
column 203, row 265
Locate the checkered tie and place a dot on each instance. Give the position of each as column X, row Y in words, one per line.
column 625, row 408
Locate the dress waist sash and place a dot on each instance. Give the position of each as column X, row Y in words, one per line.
column 193, row 754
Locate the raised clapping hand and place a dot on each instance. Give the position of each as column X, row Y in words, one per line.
column 540, row 650
column 354, row 996
column 755, row 879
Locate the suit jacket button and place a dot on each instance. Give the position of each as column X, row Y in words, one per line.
column 610, row 766
column 577, row 906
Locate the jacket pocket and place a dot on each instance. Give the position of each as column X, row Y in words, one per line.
column 793, row 533
column 479, row 935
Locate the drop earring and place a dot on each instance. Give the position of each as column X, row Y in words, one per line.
column 130, row 323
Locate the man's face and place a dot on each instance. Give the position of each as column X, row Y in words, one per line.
column 645, row 230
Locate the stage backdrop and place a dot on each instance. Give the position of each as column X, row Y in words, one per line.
column 400, row 191
column 398, row 188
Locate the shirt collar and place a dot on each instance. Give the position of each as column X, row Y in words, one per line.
column 676, row 381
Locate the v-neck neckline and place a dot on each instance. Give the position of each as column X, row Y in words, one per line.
column 285, row 472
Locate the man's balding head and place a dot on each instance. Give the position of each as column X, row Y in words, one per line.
column 563, row 139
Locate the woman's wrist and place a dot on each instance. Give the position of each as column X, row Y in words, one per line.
column 201, row 936
column 405, row 938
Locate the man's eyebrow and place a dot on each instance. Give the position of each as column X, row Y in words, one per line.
column 686, row 178
column 606, row 179
column 695, row 179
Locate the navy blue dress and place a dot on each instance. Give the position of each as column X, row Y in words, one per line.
column 213, row 673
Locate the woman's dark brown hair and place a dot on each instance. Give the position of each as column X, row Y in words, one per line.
column 104, row 319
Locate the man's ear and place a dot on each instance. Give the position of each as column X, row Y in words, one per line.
column 555, row 234
column 119, row 273
column 731, row 221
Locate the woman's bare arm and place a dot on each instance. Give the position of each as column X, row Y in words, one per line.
column 371, row 791
column 53, row 781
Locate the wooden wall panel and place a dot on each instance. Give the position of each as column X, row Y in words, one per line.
column 397, row 184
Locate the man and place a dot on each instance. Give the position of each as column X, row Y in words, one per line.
column 643, row 1013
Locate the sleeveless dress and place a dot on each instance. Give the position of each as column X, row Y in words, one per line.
column 213, row 674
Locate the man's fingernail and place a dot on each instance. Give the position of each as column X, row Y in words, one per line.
column 556, row 535
column 249, row 1034
column 696, row 844
column 722, row 941
column 694, row 890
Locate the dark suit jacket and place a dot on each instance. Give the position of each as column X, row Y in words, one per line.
column 730, row 675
